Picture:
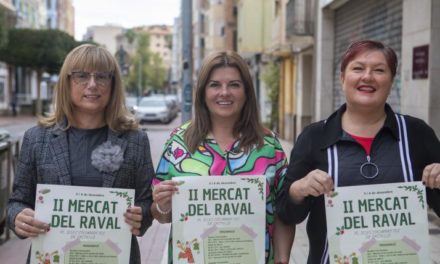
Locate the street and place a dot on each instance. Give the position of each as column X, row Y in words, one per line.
column 155, row 239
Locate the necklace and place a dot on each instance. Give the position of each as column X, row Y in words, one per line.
column 369, row 170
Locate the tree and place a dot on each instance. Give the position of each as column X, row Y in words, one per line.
column 3, row 28
column 41, row 50
column 271, row 77
column 146, row 67
column 131, row 35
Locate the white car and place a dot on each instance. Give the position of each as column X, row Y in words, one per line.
column 130, row 103
column 155, row 109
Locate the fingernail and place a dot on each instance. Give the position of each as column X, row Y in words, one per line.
column 423, row 183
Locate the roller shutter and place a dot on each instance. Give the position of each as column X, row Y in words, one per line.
column 368, row 19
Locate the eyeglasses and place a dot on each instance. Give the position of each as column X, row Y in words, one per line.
column 83, row 78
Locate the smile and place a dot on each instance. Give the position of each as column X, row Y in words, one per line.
column 366, row 88
column 224, row 102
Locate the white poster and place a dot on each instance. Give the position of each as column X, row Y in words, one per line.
column 383, row 223
column 86, row 225
column 219, row 220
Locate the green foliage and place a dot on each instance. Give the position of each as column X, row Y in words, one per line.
column 169, row 40
column 43, row 50
column 79, row 43
column 3, row 28
column 271, row 77
column 131, row 35
column 146, row 70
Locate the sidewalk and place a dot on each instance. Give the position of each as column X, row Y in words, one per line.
column 7, row 121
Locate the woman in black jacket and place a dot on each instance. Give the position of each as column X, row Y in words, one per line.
column 365, row 130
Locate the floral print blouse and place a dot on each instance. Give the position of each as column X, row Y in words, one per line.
column 210, row 160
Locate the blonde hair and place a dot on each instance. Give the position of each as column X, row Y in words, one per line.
column 248, row 127
column 90, row 57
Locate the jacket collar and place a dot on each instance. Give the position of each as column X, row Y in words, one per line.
column 59, row 147
column 333, row 126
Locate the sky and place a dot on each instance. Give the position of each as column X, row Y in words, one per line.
column 125, row 13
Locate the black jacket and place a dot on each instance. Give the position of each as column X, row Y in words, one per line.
column 326, row 138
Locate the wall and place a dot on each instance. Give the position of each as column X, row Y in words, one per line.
column 421, row 26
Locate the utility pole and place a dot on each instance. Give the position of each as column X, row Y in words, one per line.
column 187, row 59
column 139, row 90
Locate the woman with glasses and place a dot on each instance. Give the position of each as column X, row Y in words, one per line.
column 364, row 142
column 89, row 118
column 225, row 137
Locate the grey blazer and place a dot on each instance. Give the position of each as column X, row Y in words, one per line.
column 44, row 158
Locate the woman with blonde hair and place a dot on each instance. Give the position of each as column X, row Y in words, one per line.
column 89, row 140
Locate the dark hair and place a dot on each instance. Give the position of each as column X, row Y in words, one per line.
column 363, row 45
column 248, row 126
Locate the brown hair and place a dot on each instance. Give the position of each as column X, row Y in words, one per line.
column 363, row 45
column 248, row 126
column 90, row 57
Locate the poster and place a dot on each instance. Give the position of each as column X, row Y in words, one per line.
column 383, row 223
column 86, row 225
column 219, row 220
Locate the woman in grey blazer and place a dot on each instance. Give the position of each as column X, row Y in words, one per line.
column 89, row 118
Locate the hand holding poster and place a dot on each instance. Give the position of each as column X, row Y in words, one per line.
column 383, row 223
column 219, row 220
column 86, row 225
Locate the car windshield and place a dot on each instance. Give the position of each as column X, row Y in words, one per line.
column 131, row 101
column 152, row 103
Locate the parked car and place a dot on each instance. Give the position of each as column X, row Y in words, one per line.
column 130, row 103
column 175, row 98
column 155, row 108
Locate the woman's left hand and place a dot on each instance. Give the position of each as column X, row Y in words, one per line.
column 431, row 176
column 133, row 217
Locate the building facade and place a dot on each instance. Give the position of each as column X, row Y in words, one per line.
column 160, row 41
column 8, row 20
column 105, row 35
column 411, row 28
column 254, row 38
column 292, row 47
column 66, row 16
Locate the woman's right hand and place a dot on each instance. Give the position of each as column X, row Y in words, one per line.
column 27, row 226
column 315, row 183
column 163, row 192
